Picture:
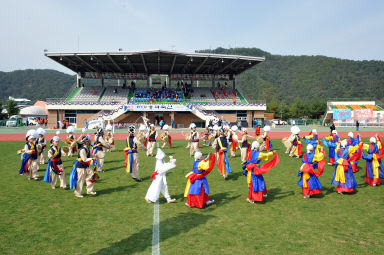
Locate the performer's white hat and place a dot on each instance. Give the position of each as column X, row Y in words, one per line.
column 142, row 127
column 244, row 130
column 216, row 127
column 56, row 138
column 309, row 147
column 41, row 131
column 193, row 125
column 31, row 134
column 234, row 128
column 70, row 129
column 225, row 127
column 343, row 144
column 152, row 125
column 372, row 140
column 198, row 155
column 165, row 127
column 108, row 127
column 160, row 154
column 334, row 132
column 295, row 130
column 267, row 128
column 350, row 134
column 314, row 131
column 255, row 145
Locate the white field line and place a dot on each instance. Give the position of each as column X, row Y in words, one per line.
column 156, row 229
column 156, row 226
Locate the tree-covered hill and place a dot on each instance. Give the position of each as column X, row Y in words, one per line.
column 286, row 82
column 288, row 77
column 34, row 84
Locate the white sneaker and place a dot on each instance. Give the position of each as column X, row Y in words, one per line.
column 53, row 187
column 172, row 200
column 79, row 195
column 374, row 184
column 148, row 201
column 306, row 196
column 210, row 202
column 340, row 192
column 265, row 195
column 92, row 193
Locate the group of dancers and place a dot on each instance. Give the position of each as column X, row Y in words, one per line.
column 344, row 155
column 225, row 141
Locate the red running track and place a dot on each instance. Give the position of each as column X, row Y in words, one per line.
column 180, row 136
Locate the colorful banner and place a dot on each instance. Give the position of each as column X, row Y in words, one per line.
column 157, row 107
column 362, row 114
column 342, row 114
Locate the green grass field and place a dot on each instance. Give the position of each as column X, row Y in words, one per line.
column 38, row 220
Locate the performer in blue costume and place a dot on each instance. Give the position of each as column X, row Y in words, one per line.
column 312, row 159
column 29, row 165
column 197, row 188
column 312, row 138
column 374, row 168
column 41, row 145
column 331, row 143
column 81, row 170
column 352, row 142
column 132, row 155
column 254, row 172
column 221, row 146
column 55, row 165
column 343, row 175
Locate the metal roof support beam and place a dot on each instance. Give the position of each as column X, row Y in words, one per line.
column 218, row 61
column 173, row 64
column 145, row 65
column 102, row 63
column 201, row 65
column 86, row 63
column 64, row 58
column 115, row 64
column 186, row 64
column 133, row 69
column 225, row 67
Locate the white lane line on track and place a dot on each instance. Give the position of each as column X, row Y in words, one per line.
column 156, row 229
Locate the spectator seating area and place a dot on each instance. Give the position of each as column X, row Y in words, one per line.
column 226, row 96
column 202, row 95
column 115, row 94
column 88, row 94
column 147, row 95
column 157, row 95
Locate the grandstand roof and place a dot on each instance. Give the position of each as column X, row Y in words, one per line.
column 154, row 62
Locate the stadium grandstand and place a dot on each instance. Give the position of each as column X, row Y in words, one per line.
column 183, row 87
column 346, row 112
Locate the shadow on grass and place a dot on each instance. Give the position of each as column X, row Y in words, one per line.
column 220, row 199
column 234, row 176
column 115, row 189
column 115, row 168
column 275, row 193
column 169, row 228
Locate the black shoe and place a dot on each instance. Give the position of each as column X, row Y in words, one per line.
column 137, row 179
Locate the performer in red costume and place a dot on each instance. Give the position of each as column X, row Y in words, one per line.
column 197, row 188
column 254, row 172
column 308, row 176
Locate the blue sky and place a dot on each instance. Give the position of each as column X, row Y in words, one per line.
column 347, row 29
